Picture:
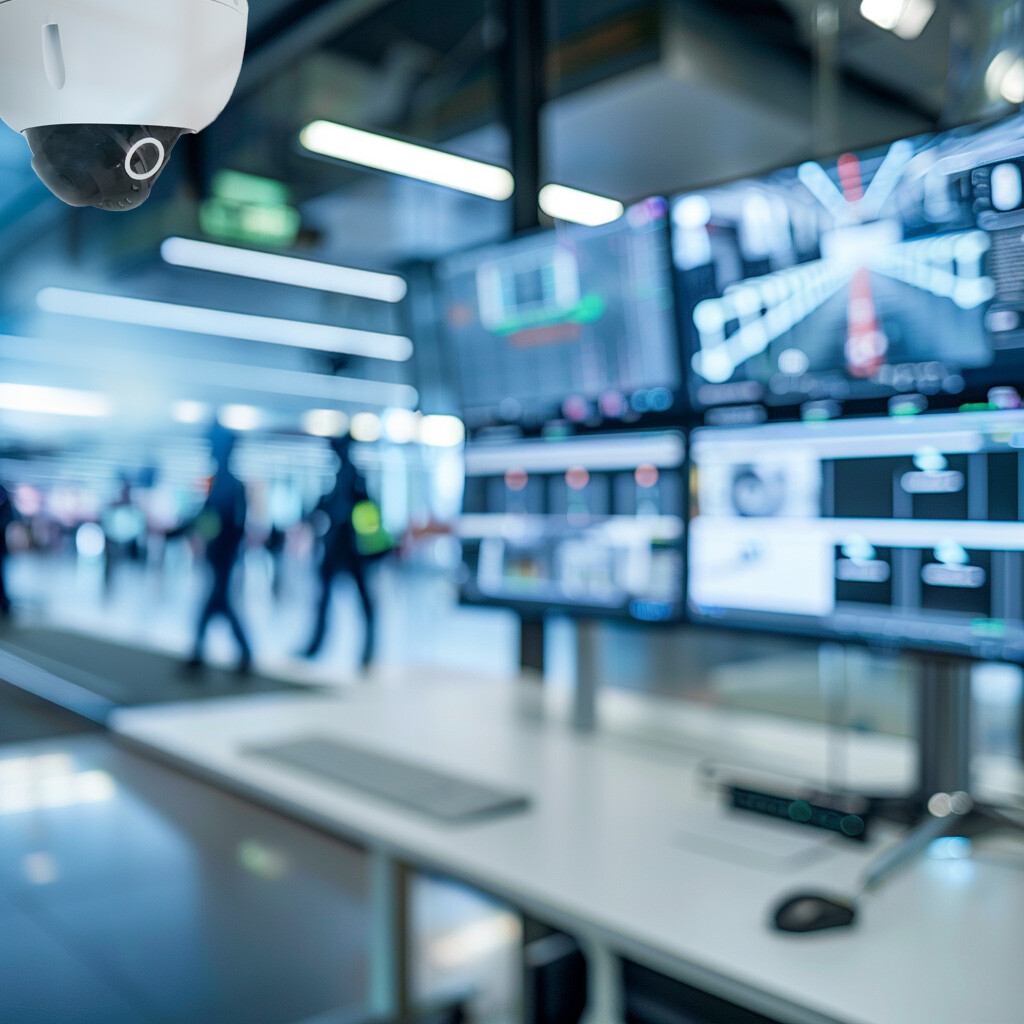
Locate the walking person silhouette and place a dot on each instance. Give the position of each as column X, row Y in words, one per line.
column 221, row 523
column 341, row 550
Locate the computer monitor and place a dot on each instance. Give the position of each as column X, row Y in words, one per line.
column 899, row 269
column 903, row 531
column 592, row 526
column 576, row 324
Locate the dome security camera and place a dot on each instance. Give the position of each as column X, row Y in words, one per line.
column 103, row 90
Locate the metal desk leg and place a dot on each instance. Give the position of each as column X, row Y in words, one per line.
column 604, row 983
column 390, row 996
column 588, row 676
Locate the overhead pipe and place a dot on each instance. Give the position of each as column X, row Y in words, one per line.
column 298, row 31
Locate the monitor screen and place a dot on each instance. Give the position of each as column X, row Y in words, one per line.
column 575, row 324
column 899, row 269
column 899, row 530
column 589, row 525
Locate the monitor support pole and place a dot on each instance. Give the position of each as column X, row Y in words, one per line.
column 944, row 726
column 531, row 646
column 942, row 801
column 588, row 676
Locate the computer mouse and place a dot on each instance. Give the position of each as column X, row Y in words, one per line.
column 813, row 912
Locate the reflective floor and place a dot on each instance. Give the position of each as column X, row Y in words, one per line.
column 419, row 619
column 130, row 893
column 422, row 624
column 25, row 717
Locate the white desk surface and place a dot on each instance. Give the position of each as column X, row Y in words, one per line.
column 621, row 842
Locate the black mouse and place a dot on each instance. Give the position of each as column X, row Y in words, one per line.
column 813, row 912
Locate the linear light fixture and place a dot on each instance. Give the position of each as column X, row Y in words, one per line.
column 299, row 384
column 240, row 417
column 381, row 153
column 53, row 401
column 324, row 422
column 189, row 411
column 268, row 266
column 365, row 427
column 442, row 431
column 318, row 387
column 247, row 326
column 563, row 203
column 1005, row 77
column 906, row 18
column 400, row 426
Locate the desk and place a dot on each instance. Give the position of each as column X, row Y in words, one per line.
column 625, row 850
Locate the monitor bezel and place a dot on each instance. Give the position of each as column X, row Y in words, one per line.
column 817, row 631
column 974, row 390
column 484, row 417
column 567, row 609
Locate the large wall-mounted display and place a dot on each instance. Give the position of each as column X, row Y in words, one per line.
column 900, row 269
column 904, row 530
column 576, row 324
column 593, row 525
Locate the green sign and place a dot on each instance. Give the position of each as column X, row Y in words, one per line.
column 250, row 209
column 239, row 187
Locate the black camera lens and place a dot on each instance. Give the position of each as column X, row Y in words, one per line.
column 109, row 166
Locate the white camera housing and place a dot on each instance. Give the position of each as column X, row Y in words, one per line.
column 103, row 89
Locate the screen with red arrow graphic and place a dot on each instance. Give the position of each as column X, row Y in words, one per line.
column 895, row 270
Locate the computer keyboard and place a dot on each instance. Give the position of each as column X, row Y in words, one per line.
column 404, row 783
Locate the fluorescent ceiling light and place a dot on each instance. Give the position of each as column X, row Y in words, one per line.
column 562, row 203
column 187, row 411
column 1005, row 77
column 266, row 266
column 53, row 401
column 883, row 13
column 381, row 153
column 365, row 427
column 442, row 431
column 400, row 425
column 317, row 387
column 247, row 326
column 325, row 422
column 240, row 417
column 906, row 18
column 456, row 172
column 1012, row 87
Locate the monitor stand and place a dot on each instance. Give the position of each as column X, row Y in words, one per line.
column 588, row 675
column 531, row 645
column 942, row 804
column 943, row 726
